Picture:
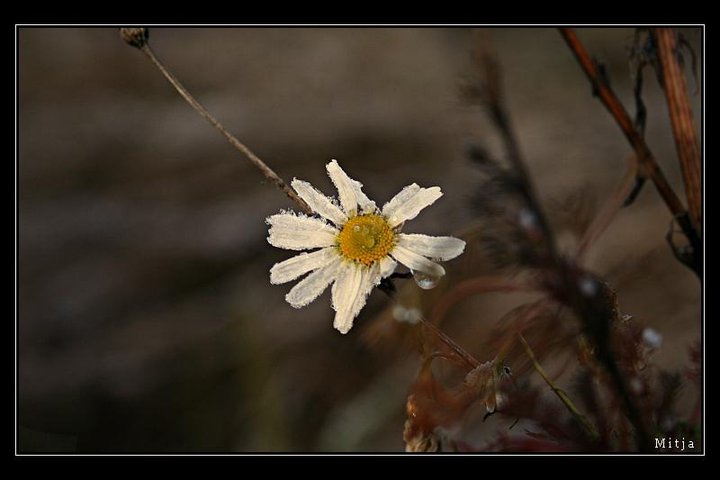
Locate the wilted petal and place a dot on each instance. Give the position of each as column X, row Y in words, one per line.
column 417, row 262
column 437, row 248
column 299, row 265
column 350, row 292
column 349, row 190
column 409, row 202
column 310, row 287
column 319, row 202
column 294, row 232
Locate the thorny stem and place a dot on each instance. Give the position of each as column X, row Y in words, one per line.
column 647, row 166
column 138, row 38
column 681, row 118
column 582, row 419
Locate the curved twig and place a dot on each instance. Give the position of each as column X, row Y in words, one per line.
column 138, row 38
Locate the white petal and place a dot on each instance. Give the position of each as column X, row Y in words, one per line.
column 349, row 190
column 387, row 266
column 400, row 198
column 409, row 202
column 350, row 292
column 438, row 248
column 294, row 232
column 319, row 202
column 310, row 287
column 417, row 262
column 299, row 265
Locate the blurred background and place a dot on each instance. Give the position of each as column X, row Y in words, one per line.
column 147, row 322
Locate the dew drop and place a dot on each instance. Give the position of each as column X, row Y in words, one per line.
column 527, row 219
column 588, row 286
column 652, row 338
column 424, row 281
column 500, row 400
column 409, row 315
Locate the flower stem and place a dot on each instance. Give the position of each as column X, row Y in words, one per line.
column 139, row 38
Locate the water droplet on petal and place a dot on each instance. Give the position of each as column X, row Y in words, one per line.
column 425, row 281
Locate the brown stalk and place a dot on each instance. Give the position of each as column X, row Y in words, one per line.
column 681, row 118
column 138, row 38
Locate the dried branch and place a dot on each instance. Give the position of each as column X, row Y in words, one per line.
column 646, row 164
column 681, row 118
column 138, row 38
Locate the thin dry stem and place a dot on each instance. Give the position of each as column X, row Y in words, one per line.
column 461, row 352
column 582, row 419
column 681, row 118
column 608, row 211
column 138, row 38
column 473, row 286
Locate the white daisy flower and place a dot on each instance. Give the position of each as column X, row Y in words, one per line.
column 358, row 244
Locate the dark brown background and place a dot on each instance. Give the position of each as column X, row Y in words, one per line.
column 146, row 317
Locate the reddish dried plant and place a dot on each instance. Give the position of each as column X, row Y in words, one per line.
column 618, row 399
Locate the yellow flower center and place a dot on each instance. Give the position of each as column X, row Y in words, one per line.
column 366, row 239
